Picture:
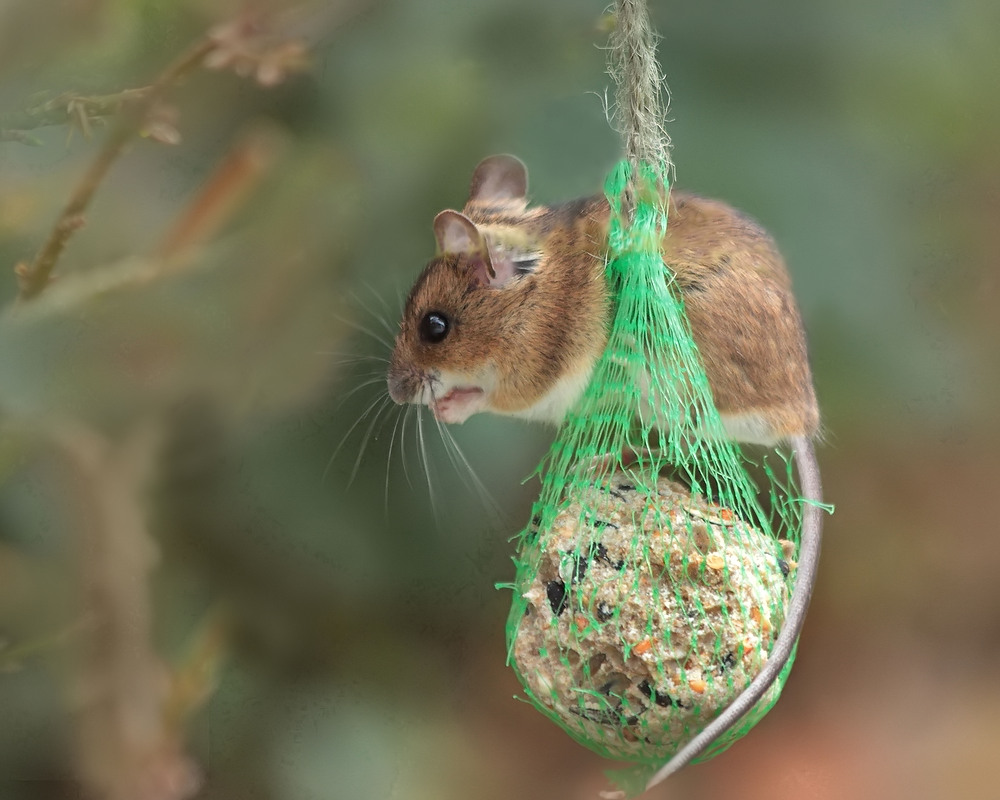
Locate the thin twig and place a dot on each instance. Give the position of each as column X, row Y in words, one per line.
column 224, row 192
column 193, row 681
column 34, row 277
column 66, row 108
column 15, row 135
column 125, row 750
column 13, row 657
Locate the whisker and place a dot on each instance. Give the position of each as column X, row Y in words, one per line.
column 425, row 453
column 379, row 399
column 378, row 317
column 367, row 438
column 391, row 313
column 400, row 297
column 375, row 379
column 402, row 446
column 450, row 446
column 387, row 344
column 352, row 358
column 388, row 459
column 426, row 462
column 466, row 472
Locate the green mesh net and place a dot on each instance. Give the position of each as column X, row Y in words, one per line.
column 655, row 572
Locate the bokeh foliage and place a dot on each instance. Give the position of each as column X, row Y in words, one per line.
column 362, row 646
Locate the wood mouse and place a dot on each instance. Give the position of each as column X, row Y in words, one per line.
column 512, row 313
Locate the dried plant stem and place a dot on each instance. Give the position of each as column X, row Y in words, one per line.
column 34, row 277
column 225, row 191
column 13, row 657
column 194, row 680
column 66, row 108
column 125, row 749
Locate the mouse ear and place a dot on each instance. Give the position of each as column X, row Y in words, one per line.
column 499, row 178
column 456, row 234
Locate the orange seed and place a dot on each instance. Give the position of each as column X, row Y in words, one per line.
column 715, row 561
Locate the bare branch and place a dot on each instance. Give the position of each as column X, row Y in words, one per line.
column 125, row 748
column 66, row 108
column 34, row 277
column 224, row 192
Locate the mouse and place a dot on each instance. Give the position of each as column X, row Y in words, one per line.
column 512, row 313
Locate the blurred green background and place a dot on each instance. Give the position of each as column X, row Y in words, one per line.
column 233, row 406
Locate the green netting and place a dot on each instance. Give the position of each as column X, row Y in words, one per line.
column 656, row 572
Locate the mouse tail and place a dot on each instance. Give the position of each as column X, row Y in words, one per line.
column 808, row 561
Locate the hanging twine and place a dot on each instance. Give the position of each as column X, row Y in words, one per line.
column 639, row 104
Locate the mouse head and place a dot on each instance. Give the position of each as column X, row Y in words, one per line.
column 460, row 335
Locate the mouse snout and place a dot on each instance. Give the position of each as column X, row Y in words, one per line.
column 403, row 384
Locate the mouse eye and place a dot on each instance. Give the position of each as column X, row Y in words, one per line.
column 434, row 327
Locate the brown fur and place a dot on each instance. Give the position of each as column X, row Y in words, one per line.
column 553, row 321
column 744, row 319
column 523, row 328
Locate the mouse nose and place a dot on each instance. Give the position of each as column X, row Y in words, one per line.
column 402, row 385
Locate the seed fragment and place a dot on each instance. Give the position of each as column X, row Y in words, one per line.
column 556, row 592
column 728, row 661
column 661, row 698
column 643, row 647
